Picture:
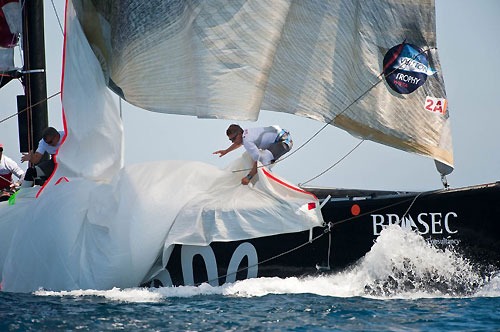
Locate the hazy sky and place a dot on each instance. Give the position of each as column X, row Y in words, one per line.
column 468, row 34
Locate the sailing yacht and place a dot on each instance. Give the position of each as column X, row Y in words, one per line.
column 369, row 68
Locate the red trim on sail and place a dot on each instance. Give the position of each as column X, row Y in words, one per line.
column 63, row 115
column 394, row 56
column 62, row 178
column 286, row 184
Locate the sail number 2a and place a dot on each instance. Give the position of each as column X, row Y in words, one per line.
column 435, row 105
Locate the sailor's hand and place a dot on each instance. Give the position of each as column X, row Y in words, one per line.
column 245, row 181
column 220, row 152
column 27, row 156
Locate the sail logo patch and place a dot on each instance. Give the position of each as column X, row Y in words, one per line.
column 406, row 68
column 435, row 105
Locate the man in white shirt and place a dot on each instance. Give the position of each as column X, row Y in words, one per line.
column 50, row 142
column 264, row 144
column 7, row 168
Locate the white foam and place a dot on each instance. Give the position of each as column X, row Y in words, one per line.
column 490, row 289
column 401, row 264
column 115, row 294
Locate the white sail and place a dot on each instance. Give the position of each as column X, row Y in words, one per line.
column 314, row 58
column 98, row 225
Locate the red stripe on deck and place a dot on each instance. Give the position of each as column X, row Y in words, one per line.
column 63, row 115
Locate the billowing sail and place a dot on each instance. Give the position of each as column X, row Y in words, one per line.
column 99, row 224
column 368, row 67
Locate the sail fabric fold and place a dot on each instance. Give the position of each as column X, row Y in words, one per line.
column 368, row 67
column 104, row 235
column 98, row 225
column 93, row 146
column 228, row 211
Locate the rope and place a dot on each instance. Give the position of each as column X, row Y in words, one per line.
column 407, row 210
column 344, row 110
column 329, row 245
column 335, row 164
column 327, row 230
column 29, row 107
column 5, row 179
column 388, row 206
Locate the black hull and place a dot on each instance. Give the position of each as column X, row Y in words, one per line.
column 465, row 219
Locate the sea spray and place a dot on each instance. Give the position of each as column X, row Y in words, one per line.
column 401, row 264
column 401, row 261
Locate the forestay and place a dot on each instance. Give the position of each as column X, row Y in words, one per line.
column 313, row 58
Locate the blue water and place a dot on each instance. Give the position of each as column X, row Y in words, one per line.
column 297, row 312
column 402, row 284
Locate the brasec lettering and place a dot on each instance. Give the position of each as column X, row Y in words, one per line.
column 433, row 222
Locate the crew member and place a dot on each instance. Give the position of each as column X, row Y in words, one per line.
column 7, row 168
column 265, row 144
column 50, row 142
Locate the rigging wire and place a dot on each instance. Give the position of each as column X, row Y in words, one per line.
column 332, row 166
column 413, row 199
column 380, row 79
column 409, row 207
column 328, row 229
column 5, row 179
column 30, row 107
column 57, row 16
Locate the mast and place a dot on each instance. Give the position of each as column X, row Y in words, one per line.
column 35, row 120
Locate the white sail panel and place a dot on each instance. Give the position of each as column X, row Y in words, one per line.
column 93, row 146
column 316, row 58
column 98, row 225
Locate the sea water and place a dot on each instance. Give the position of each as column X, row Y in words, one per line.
column 402, row 284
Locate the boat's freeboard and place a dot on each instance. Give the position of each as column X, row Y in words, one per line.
column 461, row 220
